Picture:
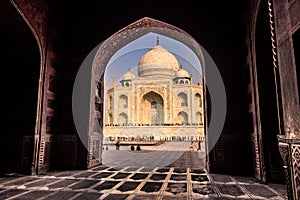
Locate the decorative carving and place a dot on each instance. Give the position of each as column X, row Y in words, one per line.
column 95, row 153
column 157, row 89
column 284, row 152
column 295, row 149
column 257, row 156
column 67, row 138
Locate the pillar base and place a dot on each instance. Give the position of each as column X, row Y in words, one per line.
column 289, row 149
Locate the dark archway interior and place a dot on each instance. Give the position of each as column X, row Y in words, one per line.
column 261, row 125
column 296, row 44
column 20, row 61
column 75, row 30
column 218, row 27
column 267, row 98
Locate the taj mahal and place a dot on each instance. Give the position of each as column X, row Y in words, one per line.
column 160, row 103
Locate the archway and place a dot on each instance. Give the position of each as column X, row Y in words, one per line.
column 122, row 119
column 182, row 118
column 105, row 52
column 123, row 101
column 21, row 59
column 198, row 99
column 183, row 99
column 268, row 90
column 100, row 57
column 152, row 109
column 199, row 119
column 155, row 102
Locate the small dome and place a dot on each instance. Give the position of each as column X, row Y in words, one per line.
column 128, row 76
column 157, row 61
column 182, row 74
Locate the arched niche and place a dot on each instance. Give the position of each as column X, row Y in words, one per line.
column 152, row 109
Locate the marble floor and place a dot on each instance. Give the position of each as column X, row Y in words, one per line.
column 169, row 171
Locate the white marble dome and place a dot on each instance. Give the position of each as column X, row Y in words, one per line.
column 158, row 61
column 182, row 74
column 128, row 75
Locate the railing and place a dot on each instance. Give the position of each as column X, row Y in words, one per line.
column 177, row 124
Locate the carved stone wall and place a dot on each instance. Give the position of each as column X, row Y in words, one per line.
column 295, row 151
column 256, row 137
column 286, row 23
column 35, row 14
column 290, row 152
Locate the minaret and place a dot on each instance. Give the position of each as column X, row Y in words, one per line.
column 107, row 87
column 114, row 82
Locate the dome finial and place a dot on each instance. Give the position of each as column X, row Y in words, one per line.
column 157, row 40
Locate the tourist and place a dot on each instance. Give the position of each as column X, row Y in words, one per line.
column 118, row 145
column 132, row 147
column 191, row 146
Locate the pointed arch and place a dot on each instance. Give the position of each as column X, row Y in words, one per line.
column 198, row 117
column 183, row 99
column 123, row 101
column 122, row 119
column 109, row 47
column 182, row 117
column 152, row 109
column 24, row 22
column 198, row 100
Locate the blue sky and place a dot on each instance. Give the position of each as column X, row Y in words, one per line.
column 129, row 56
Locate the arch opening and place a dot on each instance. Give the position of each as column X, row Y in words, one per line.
column 155, row 101
column 102, row 55
column 152, row 111
column 21, row 91
column 267, row 103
